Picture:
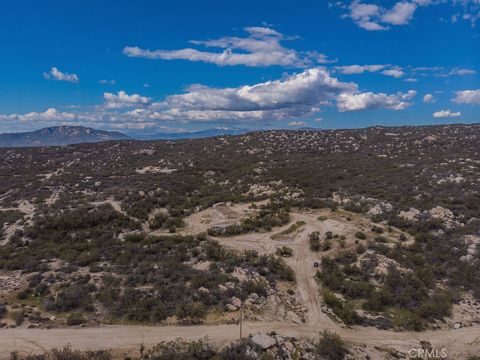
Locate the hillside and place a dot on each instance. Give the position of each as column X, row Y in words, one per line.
column 58, row 135
column 369, row 230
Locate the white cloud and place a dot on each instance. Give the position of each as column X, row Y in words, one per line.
column 359, row 69
column 297, row 123
column 471, row 97
column 376, row 16
column 55, row 74
column 371, row 26
column 296, row 94
column 50, row 114
column 428, row 98
column 369, row 100
column 412, row 80
column 387, row 70
column 135, row 126
column 362, row 14
column 360, row 11
column 396, row 73
column 292, row 97
column 107, row 82
column 122, row 99
column 401, row 13
column 461, row 72
column 446, row 114
column 262, row 47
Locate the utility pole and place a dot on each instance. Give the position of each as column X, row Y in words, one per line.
column 241, row 320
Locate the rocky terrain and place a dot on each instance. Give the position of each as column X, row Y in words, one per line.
column 372, row 234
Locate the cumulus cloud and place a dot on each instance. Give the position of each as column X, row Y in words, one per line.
column 471, row 97
column 261, row 47
column 290, row 98
column 396, row 73
column 50, row 114
column 122, row 99
column 369, row 100
column 294, row 95
column 55, row 74
column 362, row 14
column 446, row 114
column 428, row 98
column 375, row 17
column 400, row 14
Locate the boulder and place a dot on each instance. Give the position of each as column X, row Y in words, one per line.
column 263, row 340
column 231, row 307
column 236, row 302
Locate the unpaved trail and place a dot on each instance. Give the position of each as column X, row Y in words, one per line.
column 128, row 338
column 307, row 286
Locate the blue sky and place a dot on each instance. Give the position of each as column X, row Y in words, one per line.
column 158, row 66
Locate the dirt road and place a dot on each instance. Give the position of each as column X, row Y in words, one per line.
column 461, row 341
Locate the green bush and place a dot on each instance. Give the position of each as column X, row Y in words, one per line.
column 65, row 354
column 360, row 235
column 75, row 319
column 284, row 251
column 330, row 347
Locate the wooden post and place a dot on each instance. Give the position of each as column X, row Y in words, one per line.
column 241, row 320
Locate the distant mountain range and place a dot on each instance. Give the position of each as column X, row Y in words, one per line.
column 59, row 135
column 66, row 135
column 194, row 134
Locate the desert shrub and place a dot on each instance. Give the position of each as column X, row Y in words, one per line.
column 194, row 310
column 360, row 235
column 255, row 286
column 284, row 251
column 179, row 350
column 135, row 237
column 330, row 346
column 73, row 297
column 381, row 239
column 75, row 319
column 65, row 353
column 18, row 317
column 314, row 239
column 3, row 311
column 360, row 249
column 437, row 307
column 344, row 310
column 158, row 221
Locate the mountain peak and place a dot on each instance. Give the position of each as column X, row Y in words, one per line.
column 59, row 135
